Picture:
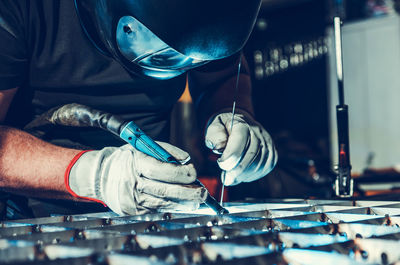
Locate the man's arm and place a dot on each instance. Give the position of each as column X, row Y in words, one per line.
column 124, row 179
column 28, row 165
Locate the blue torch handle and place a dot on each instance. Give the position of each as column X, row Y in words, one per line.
column 133, row 135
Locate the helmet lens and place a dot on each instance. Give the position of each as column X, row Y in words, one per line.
column 141, row 46
column 169, row 59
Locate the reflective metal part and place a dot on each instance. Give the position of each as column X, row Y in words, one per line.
column 344, row 182
column 272, row 232
column 141, row 46
column 300, row 256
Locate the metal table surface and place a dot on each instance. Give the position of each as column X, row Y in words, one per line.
column 279, row 231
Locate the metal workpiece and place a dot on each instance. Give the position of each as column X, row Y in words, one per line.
column 218, row 220
column 200, row 234
column 270, row 232
column 54, row 219
column 156, row 217
column 377, row 251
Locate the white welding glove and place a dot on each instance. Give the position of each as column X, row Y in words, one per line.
column 131, row 182
column 248, row 152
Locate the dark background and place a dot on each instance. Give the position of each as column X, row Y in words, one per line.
column 291, row 103
column 294, row 100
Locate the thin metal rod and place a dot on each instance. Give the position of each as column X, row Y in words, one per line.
column 339, row 57
column 236, row 91
column 232, row 119
column 223, row 187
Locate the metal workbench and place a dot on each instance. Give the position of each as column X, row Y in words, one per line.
column 291, row 231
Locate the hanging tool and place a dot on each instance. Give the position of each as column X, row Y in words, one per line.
column 344, row 182
column 83, row 116
column 223, row 174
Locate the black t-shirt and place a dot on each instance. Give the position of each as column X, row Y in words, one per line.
column 45, row 52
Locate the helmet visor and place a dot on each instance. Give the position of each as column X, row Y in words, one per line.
column 142, row 47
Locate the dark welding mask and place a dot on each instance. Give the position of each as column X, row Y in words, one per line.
column 165, row 38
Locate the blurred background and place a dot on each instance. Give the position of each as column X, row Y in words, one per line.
column 291, row 56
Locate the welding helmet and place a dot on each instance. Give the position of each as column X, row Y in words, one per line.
column 164, row 38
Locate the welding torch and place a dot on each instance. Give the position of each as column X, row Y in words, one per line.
column 77, row 115
column 133, row 135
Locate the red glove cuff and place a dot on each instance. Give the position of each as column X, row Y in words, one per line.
column 66, row 179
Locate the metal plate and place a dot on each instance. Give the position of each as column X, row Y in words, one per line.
column 270, row 232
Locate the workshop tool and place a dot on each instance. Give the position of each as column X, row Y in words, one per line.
column 344, row 182
column 133, row 135
column 83, row 116
column 233, row 116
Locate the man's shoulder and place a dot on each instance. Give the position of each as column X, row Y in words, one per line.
column 32, row 11
column 12, row 14
column 14, row 5
column 18, row 16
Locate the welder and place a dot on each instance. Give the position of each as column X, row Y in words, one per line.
column 131, row 58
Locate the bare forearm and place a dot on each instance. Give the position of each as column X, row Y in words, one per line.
column 30, row 166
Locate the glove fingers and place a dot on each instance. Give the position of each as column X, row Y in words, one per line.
column 167, row 191
column 236, row 147
column 248, row 164
column 176, row 152
column 216, row 136
column 270, row 158
column 152, row 168
column 150, row 202
column 266, row 161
